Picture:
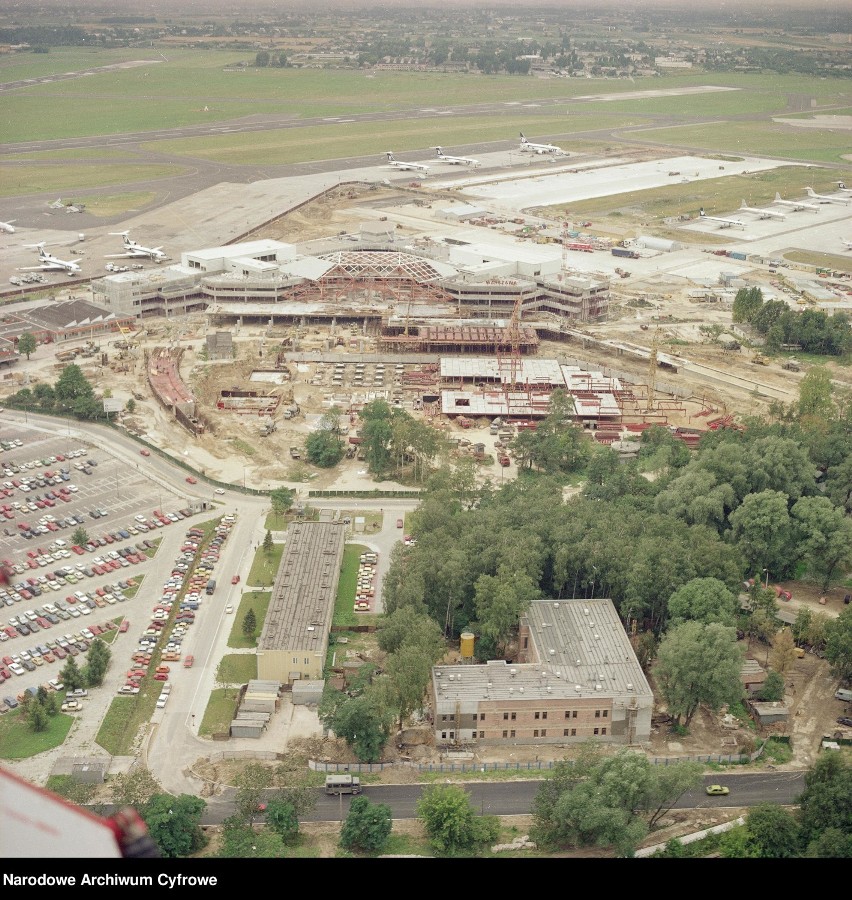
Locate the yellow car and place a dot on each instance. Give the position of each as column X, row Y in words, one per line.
column 717, row 790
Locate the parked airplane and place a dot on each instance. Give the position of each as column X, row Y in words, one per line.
column 457, row 160
column 7, row 227
column 723, row 223
column 51, row 263
column 405, row 166
column 134, row 250
column 825, row 198
column 763, row 213
column 528, row 147
column 796, row 204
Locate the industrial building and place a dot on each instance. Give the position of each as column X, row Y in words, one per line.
column 294, row 641
column 576, row 679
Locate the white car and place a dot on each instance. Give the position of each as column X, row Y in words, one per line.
column 16, row 668
column 219, row 491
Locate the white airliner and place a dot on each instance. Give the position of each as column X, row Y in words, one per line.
column 51, row 263
column 795, row 204
column 723, row 223
column 825, row 198
column 134, row 250
column 7, row 227
column 528, row 147
column 763, row 213
column 457, row 160
column 405, row 166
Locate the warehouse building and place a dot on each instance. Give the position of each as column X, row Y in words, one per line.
column 576, row 679
column 294, row 640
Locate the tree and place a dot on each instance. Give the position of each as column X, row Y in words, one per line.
column 761, row 528
column 324, row 449
column 773, row 832
column 746, row 305
column 130, row 406
column 135, row 788
column 80, row 537
column 364, row 724
column 175, row 823
column 450, row 822
column 281, row 500
column 697, row 664
column 267, row 543
column 815, row 394
column 772, row 689
column 261, row 59
column 367, row 827
column 251, row 784
column 501, row 600
column 249, row 623
column 826, row 801
column 407, row 674
column 823, row 537
column 838, row 644
column 281, row 818
column 37, row 716
column 595, row 800
column 71, row 676
column 27, row 343
column 97, row 663
column 241, row 841
column 72, row 387
column 783, row 653
column 704, row 600
column 831, row 844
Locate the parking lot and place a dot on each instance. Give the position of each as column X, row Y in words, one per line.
column 61, row 594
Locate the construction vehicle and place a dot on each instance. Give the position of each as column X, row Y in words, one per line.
column 791, row 365
column 731, row 345
column 267, row 427
column 759, row 360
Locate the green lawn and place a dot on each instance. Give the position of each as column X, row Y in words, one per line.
column 344, row 613
column 237, row 668
column 19, row 741
column 259, row 602
column 219, row 713
column 265, row 566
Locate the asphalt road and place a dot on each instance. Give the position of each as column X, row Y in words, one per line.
column 515, row 798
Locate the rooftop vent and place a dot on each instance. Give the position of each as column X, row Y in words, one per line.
column 437, row 674
column 558, row 674
column 578, row 688
column 553, row 653
column 578, row 662
column 511, row 690
column 549, row 689
column 452, row 677
column 597, row 687
column 597, row 637
column 629, row 686
column 521, row 689
column 513, row 671
column 311, row 628
column 556, row 606
column 585, row 611
column 591, row 624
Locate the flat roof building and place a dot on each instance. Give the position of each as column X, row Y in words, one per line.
column 294, row 640
column 576, row 679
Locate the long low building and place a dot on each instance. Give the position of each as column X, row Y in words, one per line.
column 576, row 679
column 294, row 641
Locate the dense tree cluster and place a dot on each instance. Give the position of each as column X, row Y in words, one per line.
column 71, row 394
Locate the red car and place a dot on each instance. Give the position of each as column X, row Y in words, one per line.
column 191, row 480
column 124, row 626
column 145, row 452
column 235, row 579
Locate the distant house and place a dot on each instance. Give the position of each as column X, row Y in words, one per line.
column 752, row 676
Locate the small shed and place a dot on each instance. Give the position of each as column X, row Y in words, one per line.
column 307, row 692
column 89, row 772
column 251, row 725
column 752, row 675
column 769, row 713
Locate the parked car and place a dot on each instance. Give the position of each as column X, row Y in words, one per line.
column 717, row 790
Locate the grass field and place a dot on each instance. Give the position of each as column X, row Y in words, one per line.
column 193, row 87
column 259, row 602
column 19, row 741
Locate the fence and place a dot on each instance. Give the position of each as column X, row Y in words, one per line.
column 532, row 766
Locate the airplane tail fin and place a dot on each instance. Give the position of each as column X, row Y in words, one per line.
column 777, row 196
column 810, row 192
column 743, row 205
column 840, row 184
column 523, row 139
column 701, row 212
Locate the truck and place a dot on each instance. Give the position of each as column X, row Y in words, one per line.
column 624, row 253
column 791, row 365
column 211, row 586
column 295, row 453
